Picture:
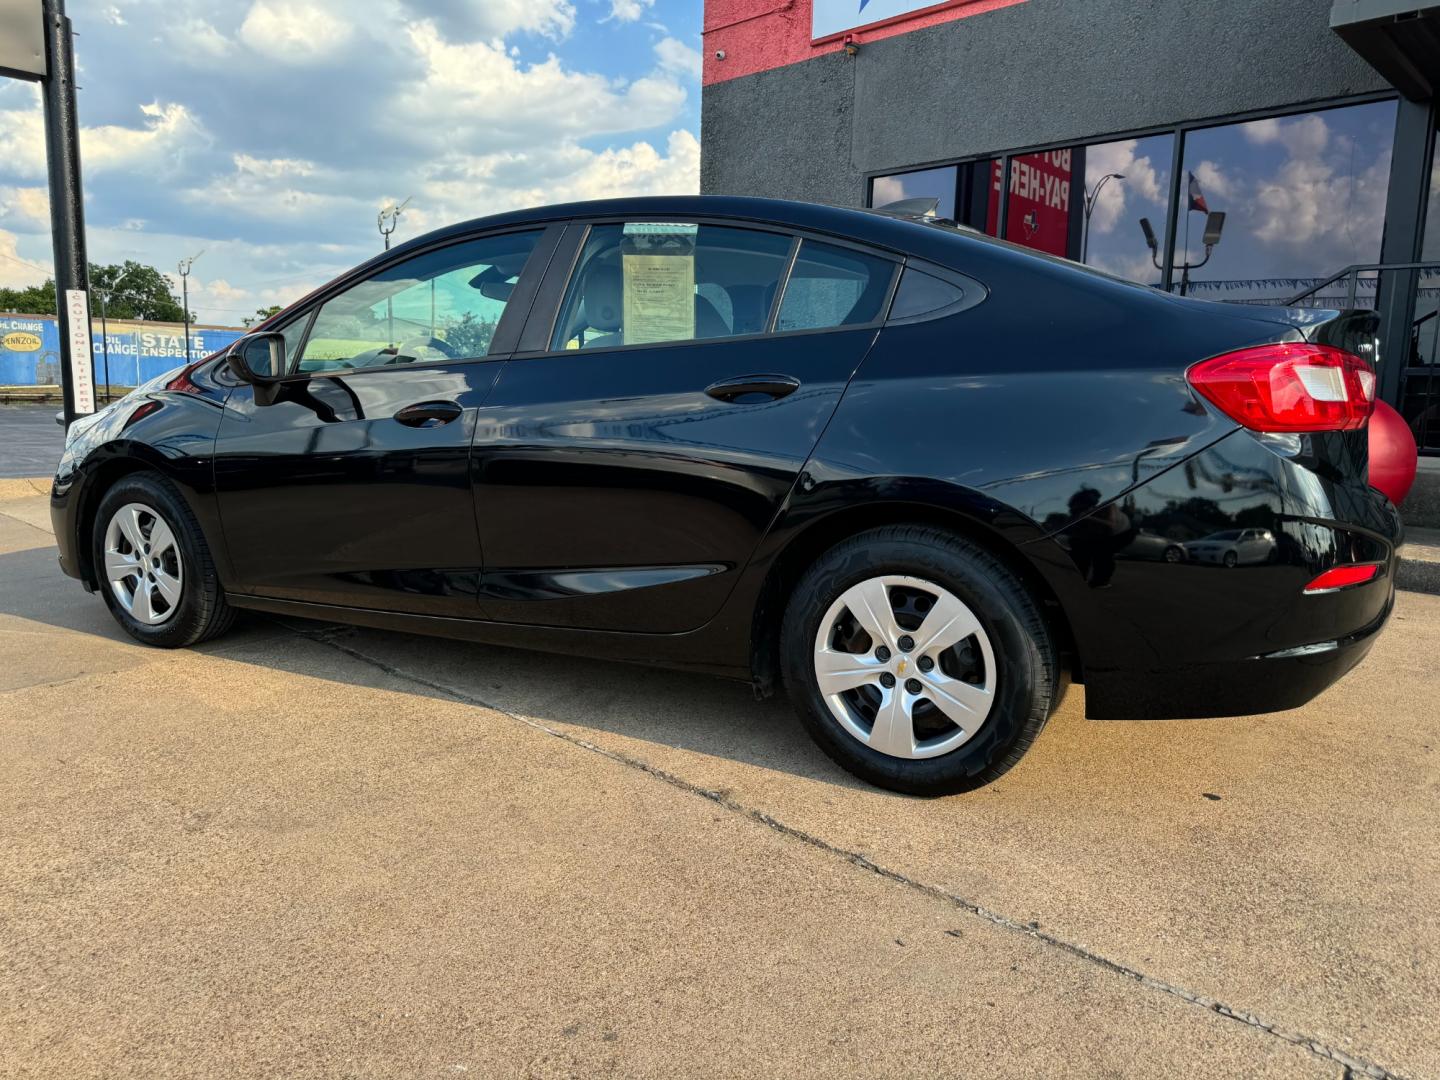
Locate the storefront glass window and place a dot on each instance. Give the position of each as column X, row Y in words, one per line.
column 1127, row 182
column 924, row 184
column 1039, row 213
column 1304, row 197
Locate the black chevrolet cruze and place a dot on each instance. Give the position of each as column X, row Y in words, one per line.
column 915, row 477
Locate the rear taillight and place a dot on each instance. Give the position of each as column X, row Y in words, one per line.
column 1289, row 387
column 1342, row 577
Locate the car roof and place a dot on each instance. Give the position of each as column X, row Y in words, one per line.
column 866, row 225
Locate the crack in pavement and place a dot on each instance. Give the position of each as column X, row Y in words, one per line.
column 1352, row 1066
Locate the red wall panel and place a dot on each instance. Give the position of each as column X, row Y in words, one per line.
column 757, row 35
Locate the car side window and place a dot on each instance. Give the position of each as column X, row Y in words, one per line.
column 920, row 294
column 442, row 305
column 832, row 286
column 641, row 283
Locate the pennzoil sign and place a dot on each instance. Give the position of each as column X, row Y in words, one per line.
column 20, row 341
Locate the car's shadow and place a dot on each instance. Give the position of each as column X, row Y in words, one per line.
column 681, row 711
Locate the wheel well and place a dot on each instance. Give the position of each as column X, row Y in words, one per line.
column 824, row 534
column 106, row 475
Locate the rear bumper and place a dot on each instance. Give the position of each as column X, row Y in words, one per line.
column 1197, row 638
column 1262, row 684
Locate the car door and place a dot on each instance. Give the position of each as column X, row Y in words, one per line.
column 349, row 482
column 630, row 460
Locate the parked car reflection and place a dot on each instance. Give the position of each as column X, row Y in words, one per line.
column 1155, row 548
column 1234, row 547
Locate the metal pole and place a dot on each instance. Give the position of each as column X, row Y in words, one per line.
column 67, row 214
column 105, row 341
column 185, row 301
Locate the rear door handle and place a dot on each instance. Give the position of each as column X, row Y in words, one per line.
column 428, row 414
column 754, row 387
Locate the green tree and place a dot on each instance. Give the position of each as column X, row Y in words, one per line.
column 136, row 291
column 261, row 314
column 470, row 336
column 132, row 291
column 34, row 300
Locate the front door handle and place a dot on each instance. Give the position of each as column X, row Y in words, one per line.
column 429, row 414
column 753, row 388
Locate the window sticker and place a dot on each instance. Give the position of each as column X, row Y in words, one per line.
column 658, row 266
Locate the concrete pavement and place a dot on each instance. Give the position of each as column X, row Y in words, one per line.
column 309, row 850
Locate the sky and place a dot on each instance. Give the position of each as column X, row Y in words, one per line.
column 1304, row 197
column 267, row 134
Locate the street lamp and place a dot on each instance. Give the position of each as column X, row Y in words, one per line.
column 105, row 294
column 1091, row 197
column 389, row 217
column 1214, row 226
column 184, row 269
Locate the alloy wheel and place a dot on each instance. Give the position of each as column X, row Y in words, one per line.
column 143, row 564
column 905, row 667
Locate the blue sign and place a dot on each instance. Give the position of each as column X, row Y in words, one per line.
column 138, row 351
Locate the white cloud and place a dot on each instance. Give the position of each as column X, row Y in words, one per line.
column 517, row 105
column 1303, row 136
column 295, row 31
column 169, row 130
column 500, row 18
column 629, row 10
column 16, row 271
column 678, row 58
column 196, row 43
column 1213, row 181
column 514, row 180
column 26, row 208
column 113, row 16
column 1140, row 181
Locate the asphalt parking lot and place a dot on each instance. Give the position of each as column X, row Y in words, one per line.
column 305, row 850
column 31, row 440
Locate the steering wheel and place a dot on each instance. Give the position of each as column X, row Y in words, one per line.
column 410, row 349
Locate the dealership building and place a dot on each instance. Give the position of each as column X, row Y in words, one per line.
column 1117, row 133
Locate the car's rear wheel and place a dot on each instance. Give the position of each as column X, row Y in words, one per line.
column 918, row 660
column 154, row 566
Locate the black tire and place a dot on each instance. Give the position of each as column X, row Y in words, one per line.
column 1174, row 554
column 202, row 612
column 1231, row 560
column 1028, row 677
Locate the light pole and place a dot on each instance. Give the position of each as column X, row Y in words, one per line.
column 389, row 217
column 1214, row 226
column 386, row 221
column 105, row 328
column 184, row 269
column 1091, row 197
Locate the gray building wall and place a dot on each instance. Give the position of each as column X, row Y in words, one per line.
column 1045, row 71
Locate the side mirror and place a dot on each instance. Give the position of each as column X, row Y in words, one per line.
column 258, row 359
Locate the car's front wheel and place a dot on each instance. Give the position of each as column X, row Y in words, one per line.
column 918, row 660
column 154, row 566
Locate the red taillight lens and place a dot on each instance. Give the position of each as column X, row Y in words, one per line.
column 1342, row 577
column 1289, row 387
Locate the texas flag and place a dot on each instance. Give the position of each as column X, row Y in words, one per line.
column 1197, row 200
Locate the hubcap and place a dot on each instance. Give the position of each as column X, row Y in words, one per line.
column 142, row 564
column 905, row 667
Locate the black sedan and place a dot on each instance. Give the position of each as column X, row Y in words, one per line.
column 915, row 477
